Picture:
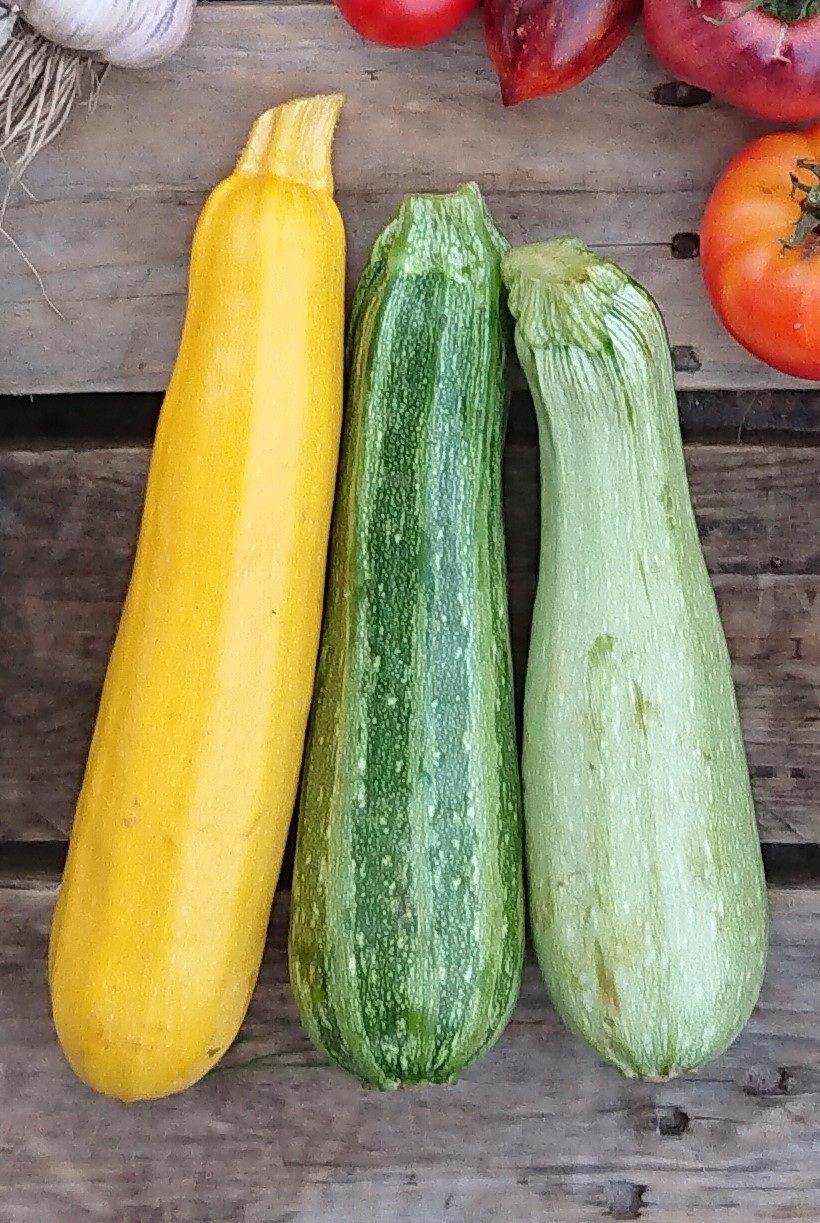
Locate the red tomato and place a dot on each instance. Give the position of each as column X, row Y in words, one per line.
column 767, row 295
column 540, row 47
column 753, row 59
column 405, row 23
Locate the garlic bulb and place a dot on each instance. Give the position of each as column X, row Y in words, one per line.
column 127, row 33
column 8, row 18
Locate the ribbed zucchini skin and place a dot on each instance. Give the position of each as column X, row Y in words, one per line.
column 406, row 928
column 646, row 889
column 188, row 792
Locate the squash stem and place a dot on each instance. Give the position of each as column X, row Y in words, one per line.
column 561, row 294
column 294, row 141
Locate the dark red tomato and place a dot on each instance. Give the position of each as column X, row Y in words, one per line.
column 753, row 59
column 540, row 47
column 405, row 23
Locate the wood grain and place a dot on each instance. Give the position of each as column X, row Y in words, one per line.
column 769, row 618
column 68, row 523
column 537, row 1130
column 126, row 287
column 131, row 177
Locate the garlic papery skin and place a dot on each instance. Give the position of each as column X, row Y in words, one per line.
column 126, row 33
column 8, row 20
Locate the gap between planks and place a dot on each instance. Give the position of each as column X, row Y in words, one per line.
column 36, row 866
column 757, row 417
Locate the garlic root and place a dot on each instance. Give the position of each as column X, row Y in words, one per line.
column 39, row 83
column 53, row 51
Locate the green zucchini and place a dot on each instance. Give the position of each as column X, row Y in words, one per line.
column 406, row 927
column 644, row 871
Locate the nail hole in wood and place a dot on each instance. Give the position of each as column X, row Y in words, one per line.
column 769, row 1081
column 685, row 246
column 775, row 562
column 625, row 1200
column 671, row 1122
column 676, row 93
column 685, row 359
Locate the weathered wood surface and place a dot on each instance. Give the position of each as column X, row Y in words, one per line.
column 604, row 160
column 539, row 1130
column 68, row 522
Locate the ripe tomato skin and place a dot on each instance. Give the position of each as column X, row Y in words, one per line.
column 768, row 298
column 405, row 23
column 754, row 61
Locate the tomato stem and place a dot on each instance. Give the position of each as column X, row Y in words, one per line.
column 806, row 233
column 787, row 11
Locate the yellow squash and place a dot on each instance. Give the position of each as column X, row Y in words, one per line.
column 192, row 772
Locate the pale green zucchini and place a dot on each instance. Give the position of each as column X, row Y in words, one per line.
column 644, row 871
column 406, row 929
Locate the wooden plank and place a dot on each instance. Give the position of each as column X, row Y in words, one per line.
column 539, row 1129
column 249, row 57
column 49, row 709
column 68, row 515
column 773, row 628
column 129, row 295
column 757, row 507
column 68, row 521
column 414, row 121
column 769, row 618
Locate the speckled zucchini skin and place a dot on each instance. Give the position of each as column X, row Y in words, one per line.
column 406, row 928
column 646, row 889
